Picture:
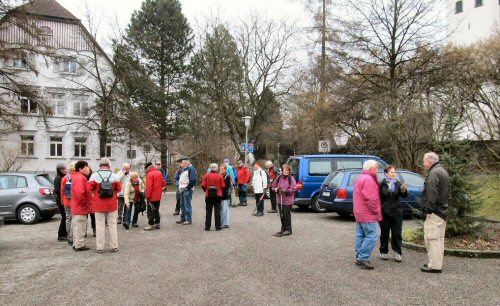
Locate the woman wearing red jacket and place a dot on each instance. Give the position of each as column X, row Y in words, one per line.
column 105, row 204
column 213, row 183
column 81, row 204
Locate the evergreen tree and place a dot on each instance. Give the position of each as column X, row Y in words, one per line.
column 160, row 39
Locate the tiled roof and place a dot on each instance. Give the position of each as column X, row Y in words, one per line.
column 47, row 8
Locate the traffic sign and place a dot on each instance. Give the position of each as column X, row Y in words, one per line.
column 324, row 146
column 244, row 147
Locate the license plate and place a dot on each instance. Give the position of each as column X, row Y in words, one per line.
column 326, row 193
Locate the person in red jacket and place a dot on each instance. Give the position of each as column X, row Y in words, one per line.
column 155, row 183
column 213, row 184
column 105, row 184
column 81, row 204
column 243, row 180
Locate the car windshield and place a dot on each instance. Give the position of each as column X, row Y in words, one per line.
column 44, row 180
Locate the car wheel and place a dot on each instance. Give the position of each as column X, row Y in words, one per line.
column 315, row 205
column 28, row 214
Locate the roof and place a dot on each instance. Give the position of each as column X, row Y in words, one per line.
column 47, row 8
column 335, row 155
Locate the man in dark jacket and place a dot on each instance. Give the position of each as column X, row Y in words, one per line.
column 435, row 207
column 62, row 234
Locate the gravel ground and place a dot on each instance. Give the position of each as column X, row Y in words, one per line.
column 242, row 265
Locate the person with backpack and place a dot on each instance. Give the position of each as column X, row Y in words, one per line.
column 106, row 185
column 213, row 185
column 243, row 181
column 284, row 186
column 134, row 194
column 65, row 186
column 81, row 204
column 272, row 175
column 226, row 196
column 62, row 234
column 155, row 183
column 230, row 171
column 259, row 183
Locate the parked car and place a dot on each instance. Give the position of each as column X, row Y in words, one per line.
column 27, row 197
column 311, row 170
column 337, row 191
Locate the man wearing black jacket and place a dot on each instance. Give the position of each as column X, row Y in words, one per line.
column 435, row 207
column 61, row 170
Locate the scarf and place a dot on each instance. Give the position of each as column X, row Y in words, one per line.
column 391, row 183
column 137, row 189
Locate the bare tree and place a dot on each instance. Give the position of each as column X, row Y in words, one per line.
column 10, row 160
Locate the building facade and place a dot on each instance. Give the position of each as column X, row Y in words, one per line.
column 469, row 21
column 60, row 125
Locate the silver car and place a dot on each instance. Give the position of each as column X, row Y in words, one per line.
column 27, row 197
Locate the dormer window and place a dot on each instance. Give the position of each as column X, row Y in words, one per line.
column 45, row 31
column 69, row 66
column 20, row 63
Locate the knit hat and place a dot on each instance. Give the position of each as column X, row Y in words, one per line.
column 147, row 165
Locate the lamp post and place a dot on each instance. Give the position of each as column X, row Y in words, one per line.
column 247, row 120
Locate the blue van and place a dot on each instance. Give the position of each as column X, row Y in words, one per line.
column 311, row 170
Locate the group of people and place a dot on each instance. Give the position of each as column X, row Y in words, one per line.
column 378, row 205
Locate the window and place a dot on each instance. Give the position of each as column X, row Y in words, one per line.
column 108, row 149
column 479, row 3
column 80, row 106
column 131, row 154
column 27, row 145
column 70, row 66
column 11, row 182
column 459, row 7
column 350, row 163
column 337, row 180
column 20, row 63
column 413, row 180
column 294, row 164
column 45, row 31
column 80, row 147
column 353, row 178
column 55, row 146
column 44, row 180
column 28, row 106
column 320, row 167
column 58, row 107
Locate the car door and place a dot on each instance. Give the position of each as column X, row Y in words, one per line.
column 13, row 189
column 415, row 185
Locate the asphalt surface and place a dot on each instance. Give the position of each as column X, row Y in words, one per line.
column 242, row 265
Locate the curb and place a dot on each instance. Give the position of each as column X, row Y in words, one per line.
column 455, row 252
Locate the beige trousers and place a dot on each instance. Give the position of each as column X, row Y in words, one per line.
column 100, row 224
column 434, row 229
column 79, row 224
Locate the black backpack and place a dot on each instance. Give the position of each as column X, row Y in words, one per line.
column 67, row 187
column 106, row 187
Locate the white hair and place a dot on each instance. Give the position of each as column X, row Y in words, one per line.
column 369, row 164
column 126, row 165
column 431, row 156
column 268, row 164
column 105, row 162
column 214, row 167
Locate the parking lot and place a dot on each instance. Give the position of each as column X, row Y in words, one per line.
column 242, row 265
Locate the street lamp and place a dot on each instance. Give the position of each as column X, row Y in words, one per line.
column 247, row 120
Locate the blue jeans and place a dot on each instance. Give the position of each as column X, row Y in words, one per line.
column 242, row 192
column 226, row 212
column 128, row 213
column 187, row 214
column 366, row 239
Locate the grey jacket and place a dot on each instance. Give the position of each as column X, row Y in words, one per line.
column 436, row 192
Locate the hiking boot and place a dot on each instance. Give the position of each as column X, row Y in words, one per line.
column 114, row 250
column 149, row 228
column 176, row 213
column 187, row 223
column 119, row 222
column 83, row 248
column 179, row 221
column 125, row 225
column 278, row 234
column 397, row 257
column 100, row 251
column 384, row 256
column 364, row 264
column 430, row 270
column 135, row 225
column 287, row 233
column 225, row 226
column 157, row 226
column 272, row 211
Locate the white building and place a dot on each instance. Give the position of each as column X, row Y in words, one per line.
column 469, row 21
column 65, row 82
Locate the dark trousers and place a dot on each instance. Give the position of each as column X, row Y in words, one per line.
column 128, row 213
column 153, row 212
column 272, row 195
column 62, row 226
column 213, row 205
column 92, row 221
column 121, row 209
column 177, row 201
column 394, row 225
column 286, row 217
column 259, row 202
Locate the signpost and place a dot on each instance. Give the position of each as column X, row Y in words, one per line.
column 324, row 146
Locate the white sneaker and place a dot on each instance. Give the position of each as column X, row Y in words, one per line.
column 397, row 257
column 384, row 256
